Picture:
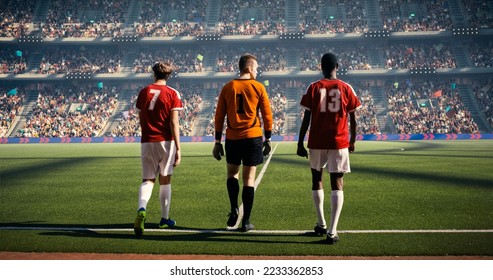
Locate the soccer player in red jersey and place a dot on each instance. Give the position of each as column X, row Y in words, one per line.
column 240, row 102
column 328, row 103
column 158, row 106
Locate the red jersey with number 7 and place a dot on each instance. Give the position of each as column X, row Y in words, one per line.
column 155, row 103
column 329, row 102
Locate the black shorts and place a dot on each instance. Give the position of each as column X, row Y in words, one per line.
column 248, row 151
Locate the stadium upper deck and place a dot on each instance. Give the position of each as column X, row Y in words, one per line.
column 204, row 30
column 66, row 41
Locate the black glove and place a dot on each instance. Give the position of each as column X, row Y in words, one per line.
column 266, row 148
column 301, row 151
column 218, row 151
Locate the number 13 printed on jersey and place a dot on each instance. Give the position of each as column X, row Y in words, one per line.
column 331, row 101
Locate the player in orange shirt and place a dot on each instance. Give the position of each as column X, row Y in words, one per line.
column 239, row 102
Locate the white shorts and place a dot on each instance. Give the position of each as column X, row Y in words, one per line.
column 335, row 161
column 157, row 157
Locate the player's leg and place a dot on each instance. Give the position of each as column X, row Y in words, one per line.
column 167, row 153
column 248, row 195
column 336, row 202
column 318, row 161
column 149, row 167
column 251, row 155
column 233, row 187
column 337, row 166
column 145, row 192
column 318, row 201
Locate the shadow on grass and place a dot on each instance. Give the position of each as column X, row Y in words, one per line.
column 426, row 176
column 236, row 237
column 41, row 169
column 188, row 234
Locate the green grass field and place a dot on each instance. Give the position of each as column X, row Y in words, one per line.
column 443, row 188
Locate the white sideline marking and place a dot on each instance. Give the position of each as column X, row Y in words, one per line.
column 261, row 174
column 279, row 232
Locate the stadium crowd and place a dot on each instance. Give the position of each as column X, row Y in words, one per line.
column 15, row 18
column 483, row 90
column 481, row 54
column 350, row 58
column 269, row 58
column 11, row 62
column 278, row 103
column 408, row 56
column 272, row 23
column 478, row 13
column 73, row 18
column 10, row 107
column 427, row 107
column 84, row 60
column 74, row 111
column 350, row 20
column 412, row 105
column 274, row 58
column 367, row 115
column 428, row 16
column 184, row 60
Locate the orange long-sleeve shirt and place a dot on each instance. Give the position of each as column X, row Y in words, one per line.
column 239, row 102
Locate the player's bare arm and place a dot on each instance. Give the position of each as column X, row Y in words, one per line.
column 175, row 130
column 301, row 151
column 352, row 124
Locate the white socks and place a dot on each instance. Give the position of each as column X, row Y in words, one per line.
column 336, row 201
column 318, row 201
column 165, row 199
column 145, row 192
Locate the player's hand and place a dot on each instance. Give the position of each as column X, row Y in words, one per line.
column 177, row 158
column 266, row 148
column 351, row 147
column 301, row 151
column 218, row 151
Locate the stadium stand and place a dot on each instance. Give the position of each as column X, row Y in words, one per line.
column 417, row 66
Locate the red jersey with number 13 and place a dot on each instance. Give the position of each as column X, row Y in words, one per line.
column 329, row 102
column 155, row 103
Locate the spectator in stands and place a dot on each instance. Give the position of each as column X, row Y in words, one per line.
column 11, row 62
column 427, row 107
column 70, row 112
column 10, row 107
column 483, row 91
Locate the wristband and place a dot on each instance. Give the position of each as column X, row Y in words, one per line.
column 218, row 136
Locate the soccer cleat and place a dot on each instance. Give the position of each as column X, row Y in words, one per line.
column 164, row 223
column 247, row 226
column 233, row 218
column 139, row 222
column 332, row 238
column 321, row 231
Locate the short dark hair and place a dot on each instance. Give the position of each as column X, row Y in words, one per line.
column 244, row 59
column 329, row 62
column 162, row 70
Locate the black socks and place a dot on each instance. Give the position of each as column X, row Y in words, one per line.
column 233, row 190
column 247, row 197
